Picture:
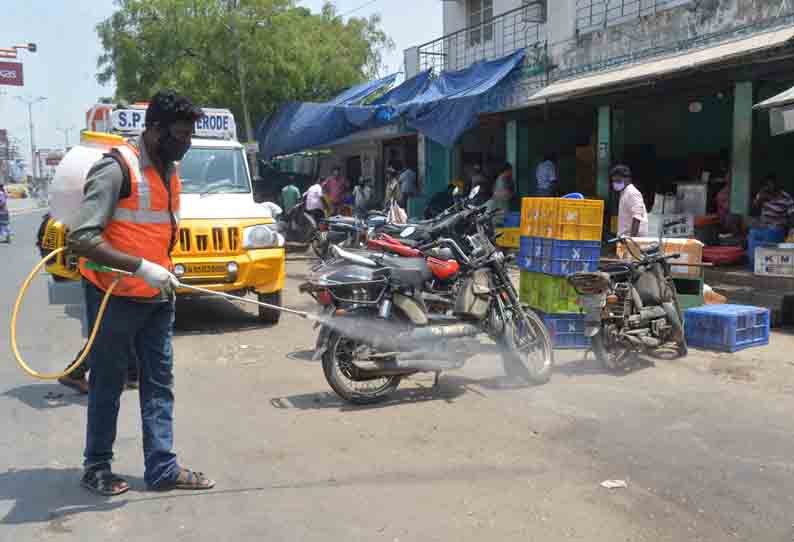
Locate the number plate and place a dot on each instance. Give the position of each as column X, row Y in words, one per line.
column 205, row 269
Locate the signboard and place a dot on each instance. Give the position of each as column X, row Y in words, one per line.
column 781, row 120
column 11, row 74
column 215, row 124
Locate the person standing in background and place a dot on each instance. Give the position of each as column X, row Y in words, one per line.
column 408, row 185
column 334, row 188
column 290, row 196
column 478, row 178
column 502, row 192
column 392, row 188
column 5, row 217
column 777, row 205
column 632, row 214
column 546, row 177
column 362, row 198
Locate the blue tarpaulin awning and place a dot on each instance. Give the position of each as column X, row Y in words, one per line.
column 441, row 108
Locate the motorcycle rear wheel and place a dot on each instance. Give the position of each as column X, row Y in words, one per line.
column 612, row 361
column 528, row 354
column 342, row 375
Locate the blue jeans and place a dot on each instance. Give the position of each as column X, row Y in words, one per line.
column 132, row 331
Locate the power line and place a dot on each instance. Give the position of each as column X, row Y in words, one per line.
column 362, row 6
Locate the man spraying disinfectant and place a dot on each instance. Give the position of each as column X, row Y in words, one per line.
column 128, row 221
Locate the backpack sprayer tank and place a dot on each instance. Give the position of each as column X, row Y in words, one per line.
column 66, row 198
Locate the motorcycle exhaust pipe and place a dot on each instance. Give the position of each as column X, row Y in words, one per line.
column 434, row 333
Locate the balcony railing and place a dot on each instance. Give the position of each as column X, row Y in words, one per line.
column 594, row 14
column 519, row 28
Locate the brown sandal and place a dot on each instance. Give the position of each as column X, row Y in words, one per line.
column 189, row 480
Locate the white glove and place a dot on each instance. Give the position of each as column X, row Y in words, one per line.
column 156, row 276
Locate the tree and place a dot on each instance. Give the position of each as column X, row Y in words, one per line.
column 247, row 55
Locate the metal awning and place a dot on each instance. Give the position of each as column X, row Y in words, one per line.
column 778, row 100
column 646, row 71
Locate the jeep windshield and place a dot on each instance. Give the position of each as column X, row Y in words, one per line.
column 214, row 171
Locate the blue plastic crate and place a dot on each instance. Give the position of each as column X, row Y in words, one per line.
column 525, row 260
column 727, row 328
column 762, row 237
column 569, row 257
column 566, row 330
column 512, row 220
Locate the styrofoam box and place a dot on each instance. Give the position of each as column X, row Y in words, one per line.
column 691, row 251
column 655, row 222
column 774, row 262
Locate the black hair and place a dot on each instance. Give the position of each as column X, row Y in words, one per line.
column 167, row 107
column 550, row 157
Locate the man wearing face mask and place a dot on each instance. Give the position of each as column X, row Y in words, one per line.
column 632, row 215
column 128, row 220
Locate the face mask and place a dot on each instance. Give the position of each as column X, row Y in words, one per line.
column 618, row 186
column 171, row 149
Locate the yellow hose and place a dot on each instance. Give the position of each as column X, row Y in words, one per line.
column 89, row 343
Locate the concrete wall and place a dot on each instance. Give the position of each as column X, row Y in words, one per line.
column 688, row 21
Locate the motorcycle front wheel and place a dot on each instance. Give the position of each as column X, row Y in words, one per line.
column 344, row 377
column 527, row 354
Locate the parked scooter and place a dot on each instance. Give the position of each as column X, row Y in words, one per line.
column 633, row 307
column 297, row 225
column 379, row 329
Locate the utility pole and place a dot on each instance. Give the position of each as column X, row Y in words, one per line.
column 30, row 102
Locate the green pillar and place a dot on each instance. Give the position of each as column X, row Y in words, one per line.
column 511, row 141
column 741, row 160
column 618, row 134
column 604, row 150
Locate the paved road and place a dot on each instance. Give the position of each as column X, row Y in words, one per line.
column 705, row 444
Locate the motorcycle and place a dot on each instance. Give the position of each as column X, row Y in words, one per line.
column 378, row 329
column 345, row 231
column 631, row 308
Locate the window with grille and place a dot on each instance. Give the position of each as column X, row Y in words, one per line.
column 479, row 12
column 594, row 14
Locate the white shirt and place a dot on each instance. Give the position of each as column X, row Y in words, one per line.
column 314, row 198
column 632, row 206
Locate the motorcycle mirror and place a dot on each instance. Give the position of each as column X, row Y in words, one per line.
column 408, row 232
column 474, row 192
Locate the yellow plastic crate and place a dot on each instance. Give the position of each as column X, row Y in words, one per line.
column 510, row 237
column 538, row 216
column 580, row 220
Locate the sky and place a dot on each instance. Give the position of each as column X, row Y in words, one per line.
column 64, row 68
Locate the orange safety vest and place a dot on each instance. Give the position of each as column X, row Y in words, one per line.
column 143, row 225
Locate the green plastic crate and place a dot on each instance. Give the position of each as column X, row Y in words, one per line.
column 552, row 295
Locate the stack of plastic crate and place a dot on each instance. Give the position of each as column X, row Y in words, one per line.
column 559, row 237
column 727, row 328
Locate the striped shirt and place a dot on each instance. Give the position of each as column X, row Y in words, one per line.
column 778, row 210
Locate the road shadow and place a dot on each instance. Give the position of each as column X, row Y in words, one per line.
column 46, row 396
column 449, row 388
column 51, row 495
column 588, row 365
column 214, row 316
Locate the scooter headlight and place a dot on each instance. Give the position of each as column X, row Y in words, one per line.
column 260, row 236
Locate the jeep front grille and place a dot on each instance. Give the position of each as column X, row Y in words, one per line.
column 219, row 240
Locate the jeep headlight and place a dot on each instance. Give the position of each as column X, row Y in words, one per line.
column 261, row 236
